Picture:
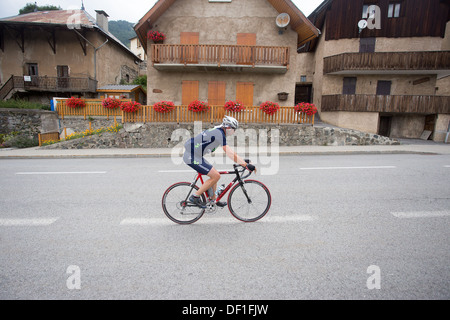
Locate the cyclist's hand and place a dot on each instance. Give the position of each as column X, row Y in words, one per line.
column 251, row 167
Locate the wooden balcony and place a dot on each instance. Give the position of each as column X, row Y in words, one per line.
column 422, row 62
column 49, row 84
column 389, row 104
column 231, row 58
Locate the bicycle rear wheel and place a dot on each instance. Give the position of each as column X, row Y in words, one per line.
column 249, row 202
column 176, row 207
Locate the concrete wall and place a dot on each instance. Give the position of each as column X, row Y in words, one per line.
column 219, row 23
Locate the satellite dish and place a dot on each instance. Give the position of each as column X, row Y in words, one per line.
column 362, row 24
column 283, row 20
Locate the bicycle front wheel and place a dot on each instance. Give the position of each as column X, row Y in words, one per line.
column 249, row 202
column 177, row 208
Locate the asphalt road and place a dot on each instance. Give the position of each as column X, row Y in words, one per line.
column 340, row 227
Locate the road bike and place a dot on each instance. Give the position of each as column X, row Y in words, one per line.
column 248, row 200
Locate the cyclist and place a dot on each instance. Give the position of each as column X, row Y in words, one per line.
column 204, row 143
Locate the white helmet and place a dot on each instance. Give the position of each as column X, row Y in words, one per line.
column 230, row 122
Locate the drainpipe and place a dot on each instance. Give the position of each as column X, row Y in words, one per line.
column 95, row 51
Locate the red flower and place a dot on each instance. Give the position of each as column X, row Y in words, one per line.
column 131, row 106
column 156, row 36
column 75, row 103
column 234, row 106
column 164, row 106
column 198, row 106
column 305, row 107
column 111, row 103
column 269, row 107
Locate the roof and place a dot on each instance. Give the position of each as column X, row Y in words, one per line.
column 120, row 87
column 299, row 23
column 77, row 18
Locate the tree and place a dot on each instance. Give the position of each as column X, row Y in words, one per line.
column 32, row 7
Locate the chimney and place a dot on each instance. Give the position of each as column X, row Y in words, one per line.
column 102, row 19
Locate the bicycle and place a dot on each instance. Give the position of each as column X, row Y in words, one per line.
column 248, row 200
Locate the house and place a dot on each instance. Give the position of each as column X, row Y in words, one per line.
column 133, row 92
column 63, row 53
column 382, row 66
column 217, row 51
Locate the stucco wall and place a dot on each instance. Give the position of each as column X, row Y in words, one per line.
column 219, row 23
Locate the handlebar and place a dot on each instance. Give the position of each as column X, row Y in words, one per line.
column 242, row 170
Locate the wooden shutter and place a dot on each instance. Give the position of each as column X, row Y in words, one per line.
column 246, row 55
column 189, row 92
column 244, row 93
column 216, row 93
column 190, row 53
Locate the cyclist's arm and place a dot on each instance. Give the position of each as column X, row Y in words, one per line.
column 233, row 156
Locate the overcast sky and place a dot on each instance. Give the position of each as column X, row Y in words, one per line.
column 117, row 10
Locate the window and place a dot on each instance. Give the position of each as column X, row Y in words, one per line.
column 302, row 78
column 367, row 45
column 383, row 88
column 366, row 14
column 33, row 69
column 349, row 85
column 394, row 10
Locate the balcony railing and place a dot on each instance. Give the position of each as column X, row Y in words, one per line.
column 380, row 62
column 53, row 84
column 393, row 104
column 219, row 55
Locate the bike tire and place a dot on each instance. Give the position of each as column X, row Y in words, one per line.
column 172, row 204
column 259, row 195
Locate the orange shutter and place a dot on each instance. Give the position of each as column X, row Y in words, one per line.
column 244, row 93
column 216, row 93
column 189, row 54
column 245, row 53
column 189, row 91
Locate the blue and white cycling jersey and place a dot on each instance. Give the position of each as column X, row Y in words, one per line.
column 206, row 142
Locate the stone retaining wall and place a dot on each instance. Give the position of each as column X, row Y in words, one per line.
column 28, row 122
column 168, row 135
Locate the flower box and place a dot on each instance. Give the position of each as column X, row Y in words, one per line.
column 234, row 106
column 198, row 106
column 156, row 36
column 111, row 103
column 130, row 107
column 164, row 106
column 269, row 107
column 305, row 107
column 75, row 103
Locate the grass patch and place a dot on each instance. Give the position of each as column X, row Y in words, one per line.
column 23, row 104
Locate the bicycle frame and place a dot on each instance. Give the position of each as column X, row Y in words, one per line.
column 238, row 178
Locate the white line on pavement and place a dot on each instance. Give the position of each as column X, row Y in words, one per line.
column 27, row 222
column 206, row 220
column 73, row 172
column 175, row 171
column 446, row 166
column 345, row 168
column 421, row 214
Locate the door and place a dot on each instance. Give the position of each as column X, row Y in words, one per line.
column 384, row 128
column 216, row 93
column 189, row 92
column 189, row 52
column 33, row 72
column 63, row 76
column 303, row 93
column 246, row 53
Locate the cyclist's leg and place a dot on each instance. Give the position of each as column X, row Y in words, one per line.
column 214, row 177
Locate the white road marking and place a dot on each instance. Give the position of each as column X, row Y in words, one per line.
column 346, row 168
column 71, row 172
column 34, row 222
column 212, row 220
column 446, row 166
column 175, row 171
column 421, row 214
